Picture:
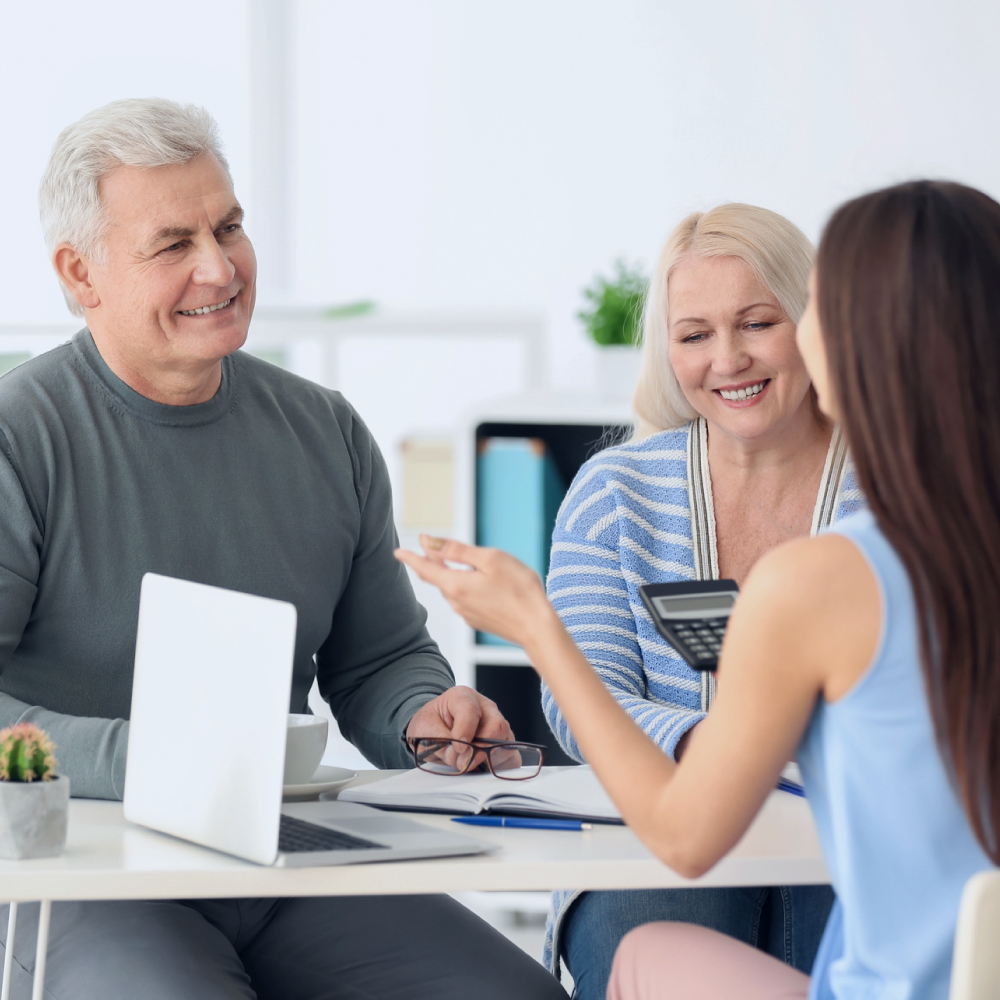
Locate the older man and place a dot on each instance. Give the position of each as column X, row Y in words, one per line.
column 150, row 443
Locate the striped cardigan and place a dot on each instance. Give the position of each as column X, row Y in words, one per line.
column 641, row 513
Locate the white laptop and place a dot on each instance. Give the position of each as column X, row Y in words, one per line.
column 206, row 749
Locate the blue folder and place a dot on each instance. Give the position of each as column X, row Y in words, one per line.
column 518, row 492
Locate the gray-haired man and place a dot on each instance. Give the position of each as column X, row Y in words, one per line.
column 151, row 443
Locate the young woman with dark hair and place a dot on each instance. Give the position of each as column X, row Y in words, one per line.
column 872, row 651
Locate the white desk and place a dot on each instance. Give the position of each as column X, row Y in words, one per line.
column 108, row 858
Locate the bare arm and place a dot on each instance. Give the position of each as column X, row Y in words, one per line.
column 806, row 625
column 588, row 589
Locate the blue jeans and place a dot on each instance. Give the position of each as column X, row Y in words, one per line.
column 786, row 922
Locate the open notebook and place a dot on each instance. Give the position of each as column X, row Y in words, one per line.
column 557, row 791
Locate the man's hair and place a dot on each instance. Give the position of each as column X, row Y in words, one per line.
column 778, row 253
column 138, row 132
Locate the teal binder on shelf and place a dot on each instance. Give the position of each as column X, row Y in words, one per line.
column 518, row 493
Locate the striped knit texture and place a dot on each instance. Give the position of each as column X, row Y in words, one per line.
column 625, row 522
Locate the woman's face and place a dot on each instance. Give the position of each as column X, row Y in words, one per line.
column 810, row 340
column 733, row 348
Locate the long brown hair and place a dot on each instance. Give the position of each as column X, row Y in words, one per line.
column 908, row 292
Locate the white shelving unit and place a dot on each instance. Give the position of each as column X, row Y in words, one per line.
column 322, row 335
column 533, row 408
column 574, row 420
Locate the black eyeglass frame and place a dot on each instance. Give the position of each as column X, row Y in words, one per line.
column 478, row 744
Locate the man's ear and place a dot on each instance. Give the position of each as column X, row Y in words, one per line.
column 74, row 272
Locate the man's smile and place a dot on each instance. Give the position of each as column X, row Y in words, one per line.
column 206, row 309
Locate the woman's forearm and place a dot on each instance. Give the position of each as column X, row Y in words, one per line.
column 504, row 597
column 631, row 767
column 688, row 815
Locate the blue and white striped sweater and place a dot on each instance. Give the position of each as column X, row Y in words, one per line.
column 626, row 521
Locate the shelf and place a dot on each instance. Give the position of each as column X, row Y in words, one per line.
column 552, row 407
column 501, row 656
column 573, row 426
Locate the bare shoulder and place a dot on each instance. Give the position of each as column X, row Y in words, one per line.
column 812, row 571
column 823, row 597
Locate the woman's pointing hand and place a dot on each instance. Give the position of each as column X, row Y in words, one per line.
column 493, row 592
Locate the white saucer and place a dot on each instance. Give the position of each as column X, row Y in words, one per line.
column 326, row 779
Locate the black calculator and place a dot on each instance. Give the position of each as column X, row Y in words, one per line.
column 692, row 617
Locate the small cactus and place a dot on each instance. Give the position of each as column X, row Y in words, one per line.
column 26, row 754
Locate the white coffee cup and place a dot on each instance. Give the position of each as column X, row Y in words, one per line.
column 304, row 747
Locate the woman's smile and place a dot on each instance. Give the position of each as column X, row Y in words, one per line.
column 743, row 394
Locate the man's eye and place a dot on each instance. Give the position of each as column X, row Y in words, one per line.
column 172, row 247
column 230, row 229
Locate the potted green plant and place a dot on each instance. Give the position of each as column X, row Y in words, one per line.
column 614, row 321
column 34, row 800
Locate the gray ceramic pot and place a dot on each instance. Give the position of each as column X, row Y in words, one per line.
column 33, row 818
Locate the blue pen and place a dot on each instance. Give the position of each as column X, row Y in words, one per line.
column 792, row 787
column 525, row 822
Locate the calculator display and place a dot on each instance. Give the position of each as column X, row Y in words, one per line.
column 697, row 606
column 692, row 616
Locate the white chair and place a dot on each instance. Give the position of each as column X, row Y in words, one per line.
column 975, row 970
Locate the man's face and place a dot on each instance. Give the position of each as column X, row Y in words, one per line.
column 176, row 245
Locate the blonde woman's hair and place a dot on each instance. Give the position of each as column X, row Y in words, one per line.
column 778, row 253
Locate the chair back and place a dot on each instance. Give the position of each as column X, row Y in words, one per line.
column 975, row 970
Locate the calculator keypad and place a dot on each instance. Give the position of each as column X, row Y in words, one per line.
column 702, row 637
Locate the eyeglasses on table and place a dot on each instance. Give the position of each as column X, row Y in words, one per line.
column 510, row 760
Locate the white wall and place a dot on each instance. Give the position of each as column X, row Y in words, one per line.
column 450, row 154
column 470, row 154
column 60, row 59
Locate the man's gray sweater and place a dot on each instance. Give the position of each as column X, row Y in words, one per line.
column 273, row 487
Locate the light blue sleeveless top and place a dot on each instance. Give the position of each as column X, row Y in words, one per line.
column 894, row 835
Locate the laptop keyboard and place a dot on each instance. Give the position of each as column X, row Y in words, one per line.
column 296, row 835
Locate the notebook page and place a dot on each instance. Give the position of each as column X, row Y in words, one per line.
column 566, row 791
column 418, row 789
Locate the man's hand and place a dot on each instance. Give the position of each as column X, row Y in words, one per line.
column 460, row 714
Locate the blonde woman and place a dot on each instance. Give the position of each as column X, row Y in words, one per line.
column 731, row 457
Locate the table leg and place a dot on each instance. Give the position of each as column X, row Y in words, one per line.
column 41, row 950
column 8, row 958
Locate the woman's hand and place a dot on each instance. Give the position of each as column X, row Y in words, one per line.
column 498, row 594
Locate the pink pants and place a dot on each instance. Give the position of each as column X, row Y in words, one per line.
column 667, row 960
